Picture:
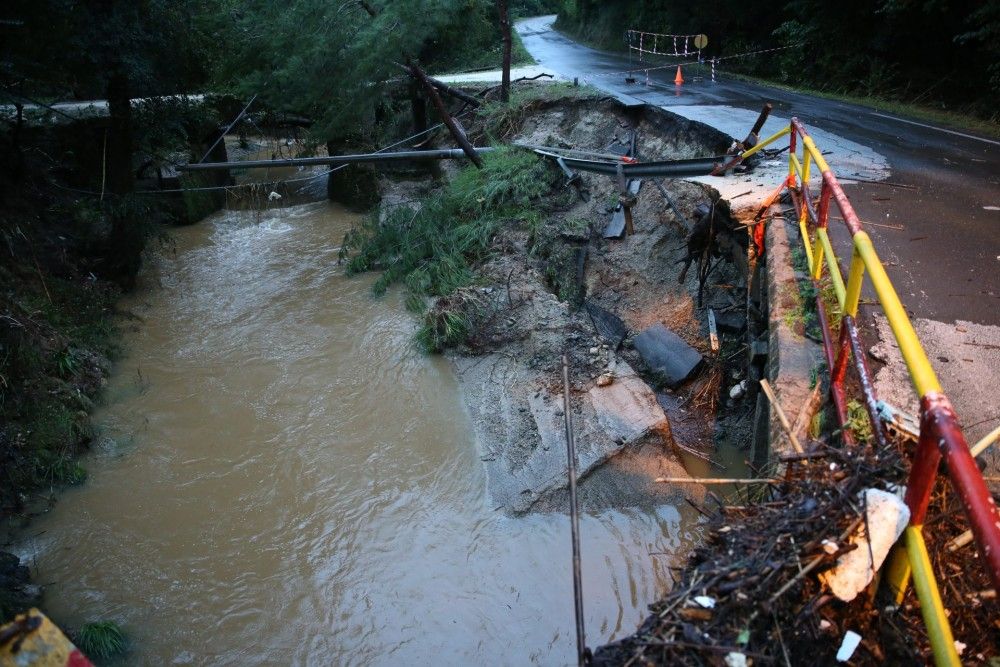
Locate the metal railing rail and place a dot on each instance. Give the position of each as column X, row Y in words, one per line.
column 940, row 434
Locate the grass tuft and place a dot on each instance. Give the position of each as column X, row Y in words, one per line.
column 858, row 422
column 101, row 639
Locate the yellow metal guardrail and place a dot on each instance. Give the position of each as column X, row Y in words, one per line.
column 940, row 434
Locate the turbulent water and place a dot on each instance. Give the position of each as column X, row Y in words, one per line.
column 284, row 479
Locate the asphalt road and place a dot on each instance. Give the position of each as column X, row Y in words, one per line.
column 939, row 237
column 945, row 263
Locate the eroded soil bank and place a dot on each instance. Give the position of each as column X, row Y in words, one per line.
column 549, row 282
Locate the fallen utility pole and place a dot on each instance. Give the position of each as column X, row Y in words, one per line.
column 441, row 154
column 673, row 168
column 574, row 515
column 453, row 125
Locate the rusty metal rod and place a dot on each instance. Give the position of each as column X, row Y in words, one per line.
column 441, row 154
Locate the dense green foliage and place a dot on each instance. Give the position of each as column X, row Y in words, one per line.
column 430, row 249
column 942, row 52
column 337, row 64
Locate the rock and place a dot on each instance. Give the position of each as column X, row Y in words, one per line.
column 730, row 322
column 605, row 379
column 628, row 411
column 595, row 350
column 738, row 390
column 886, row 518
column 667, row 355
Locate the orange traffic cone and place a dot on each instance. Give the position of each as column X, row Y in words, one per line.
column 678, row 79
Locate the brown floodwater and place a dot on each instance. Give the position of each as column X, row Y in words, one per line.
column 282, row 478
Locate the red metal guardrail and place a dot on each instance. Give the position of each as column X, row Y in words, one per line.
column 940, row 435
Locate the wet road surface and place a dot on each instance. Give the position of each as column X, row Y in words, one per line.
column 945, row 263
column 938, row 237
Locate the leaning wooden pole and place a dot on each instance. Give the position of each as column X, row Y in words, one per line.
column 507, row 44
column 448, row 90
column 453, row 126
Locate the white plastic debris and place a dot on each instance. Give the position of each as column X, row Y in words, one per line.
column 738, row 390
column 851, row 642
column 825, row 624
column 886, row 519
column 705, row 601
column 274, row 196
column 960, row 647
column 735, row 659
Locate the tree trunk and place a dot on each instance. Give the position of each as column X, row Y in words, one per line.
column 456, row 131
column 507, row 44
column 118, row 161
column 419, row 109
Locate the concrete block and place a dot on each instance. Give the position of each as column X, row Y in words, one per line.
column 666, row 354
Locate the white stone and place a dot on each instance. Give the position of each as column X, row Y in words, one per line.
column 734, row 659
column 849, row 645
column 887, row 517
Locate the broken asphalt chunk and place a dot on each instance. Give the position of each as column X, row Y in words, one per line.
column 667, row 355
column 610, row 327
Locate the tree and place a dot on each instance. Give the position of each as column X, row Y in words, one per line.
column 505, row 31
column 336, row 61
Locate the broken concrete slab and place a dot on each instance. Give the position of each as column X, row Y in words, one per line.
column 731, row 322
column 666, row 354
column 886, row 516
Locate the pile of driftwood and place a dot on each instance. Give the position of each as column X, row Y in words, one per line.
column 751, row 594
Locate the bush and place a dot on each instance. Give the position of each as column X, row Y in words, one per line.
column 432, row 249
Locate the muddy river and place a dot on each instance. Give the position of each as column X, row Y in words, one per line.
column 282, row 478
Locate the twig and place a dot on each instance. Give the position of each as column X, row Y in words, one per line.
column 766, row 386
column 960, row 541
column 985, row 442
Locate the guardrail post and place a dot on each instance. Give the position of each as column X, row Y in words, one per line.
column 855, row 275
column 837, row 375
column 791, row 153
